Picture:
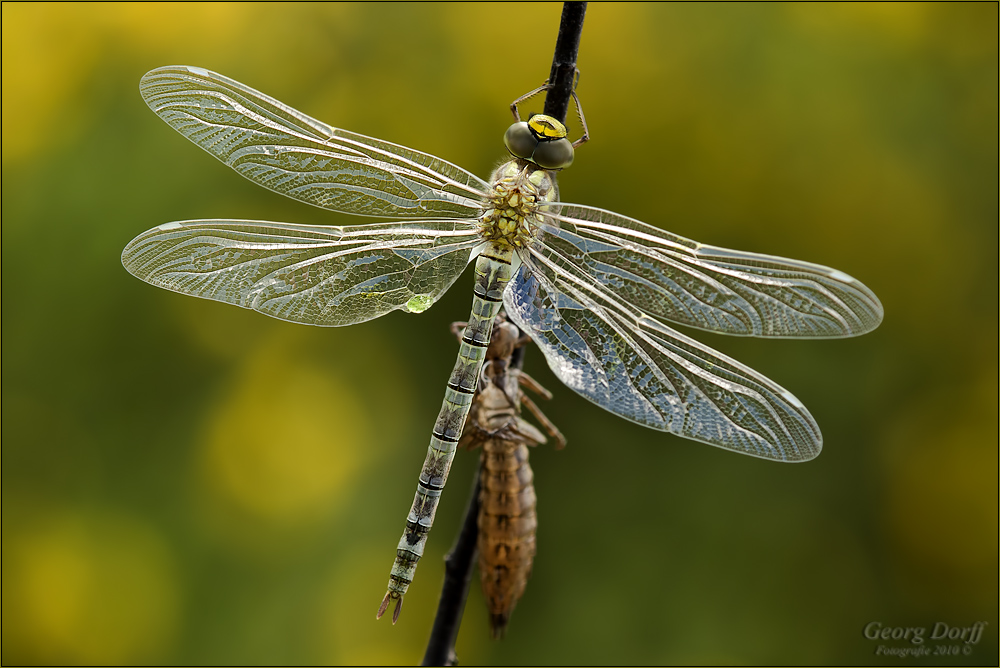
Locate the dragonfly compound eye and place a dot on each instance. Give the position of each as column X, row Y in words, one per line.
column 520, row 140
column 553, row 154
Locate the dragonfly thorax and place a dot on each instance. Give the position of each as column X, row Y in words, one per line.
column 517, row 188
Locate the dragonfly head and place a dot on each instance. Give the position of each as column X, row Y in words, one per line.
column 542, row 141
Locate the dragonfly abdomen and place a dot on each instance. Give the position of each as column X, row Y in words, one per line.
column 493, row 272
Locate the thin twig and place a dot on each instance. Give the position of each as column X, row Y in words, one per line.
column 562, row 76
column 458, row 563
column 457, row 576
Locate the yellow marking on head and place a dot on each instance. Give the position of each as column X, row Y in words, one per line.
column 547, row 127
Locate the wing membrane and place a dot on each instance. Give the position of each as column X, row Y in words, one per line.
column 646, row 372
column 290, row 153
column 315, row 275
column 678, row 280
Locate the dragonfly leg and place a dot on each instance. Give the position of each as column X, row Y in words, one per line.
column 583, row 121
column 545, row 422
column 457, row 327
column 513, row 105
column 531, row 384
column 472, row 438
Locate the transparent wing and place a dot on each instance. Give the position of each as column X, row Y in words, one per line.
column 315, row 275
column 640, row 369
column 295, row 155
column 674, row 279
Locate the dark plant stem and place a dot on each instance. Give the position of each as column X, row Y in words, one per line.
column 458, row 563
column 562, row 76
column 457, row 577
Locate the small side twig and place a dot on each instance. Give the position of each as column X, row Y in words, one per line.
column 459, row 561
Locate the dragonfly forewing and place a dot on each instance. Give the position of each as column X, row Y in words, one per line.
column 290, row 153
column 685, row 282
column 308, row 274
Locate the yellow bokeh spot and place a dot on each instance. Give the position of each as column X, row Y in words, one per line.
column 47, row 54
column 901, row 22
column 87, row 589
column 52, row 54
column 285, row 443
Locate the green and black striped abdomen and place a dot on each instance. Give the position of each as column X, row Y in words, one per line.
column 494, row 270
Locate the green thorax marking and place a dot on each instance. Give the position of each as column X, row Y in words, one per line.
column 518, row 188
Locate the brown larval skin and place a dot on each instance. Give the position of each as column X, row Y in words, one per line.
column 507, row 518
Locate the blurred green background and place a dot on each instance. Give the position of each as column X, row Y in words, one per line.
column 158, row 508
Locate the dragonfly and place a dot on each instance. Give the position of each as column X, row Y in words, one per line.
column 595, row 290
column 507, row 518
